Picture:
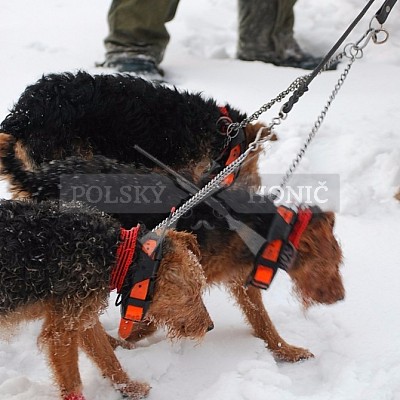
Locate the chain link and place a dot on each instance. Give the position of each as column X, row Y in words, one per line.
column 297, row 83
column 353, row 51
column 315, row 128
column 213, row 185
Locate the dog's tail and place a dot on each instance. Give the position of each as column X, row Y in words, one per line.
column 22, row 181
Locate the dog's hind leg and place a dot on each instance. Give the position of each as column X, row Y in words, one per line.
column 97, row 346
column 250, row 301
column 59, row 337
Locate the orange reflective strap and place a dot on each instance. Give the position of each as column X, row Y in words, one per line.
column 233, row 155
column 303, row 219
column 264, row 274
column 133, row 313
column 286, row 214
column 140, row 289
column 272, row 250
column 229, row 179
column 125, row 328
column 149, row 246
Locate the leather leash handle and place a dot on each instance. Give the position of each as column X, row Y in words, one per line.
column 384, row 11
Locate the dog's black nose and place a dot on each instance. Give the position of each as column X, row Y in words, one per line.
column 210, row 328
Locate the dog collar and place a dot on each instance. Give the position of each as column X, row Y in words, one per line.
column 234, row 147
column 281, row 246
column 125, row 254
column 146, row 254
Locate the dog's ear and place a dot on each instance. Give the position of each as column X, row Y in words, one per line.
column 183, row 240
column 252, row 130
column 330, row 217
column 191, row 243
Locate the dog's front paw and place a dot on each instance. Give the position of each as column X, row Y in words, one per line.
column 114, row 342
column 135, row 390
column 289, row 353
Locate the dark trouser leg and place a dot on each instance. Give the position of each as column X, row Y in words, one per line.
column 137, row 27
column 266, row 34
column 265, row 29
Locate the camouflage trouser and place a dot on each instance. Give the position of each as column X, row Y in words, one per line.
column 137, row 27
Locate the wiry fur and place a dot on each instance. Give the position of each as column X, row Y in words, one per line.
column 69, row 114
column 225, row 258
column 55, row 264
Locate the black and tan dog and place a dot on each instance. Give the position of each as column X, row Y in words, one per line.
column 225, row 257
column 69, row 114
column 59, row 264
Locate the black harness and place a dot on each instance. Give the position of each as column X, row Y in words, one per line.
column 146, row 254
column 234, row 147
column 280, row 248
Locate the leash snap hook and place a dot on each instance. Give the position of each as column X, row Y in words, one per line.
column 378, row 31
column 278, row 120
column 362, row 43
column 232, row 128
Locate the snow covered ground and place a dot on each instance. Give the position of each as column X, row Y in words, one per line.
column 356, row 342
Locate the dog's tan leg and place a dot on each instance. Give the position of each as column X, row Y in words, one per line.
column 60, row 339
column 250, row 301
column 95, row 343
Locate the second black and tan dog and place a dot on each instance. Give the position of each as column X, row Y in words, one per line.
column 225, row 257
column 70, row 114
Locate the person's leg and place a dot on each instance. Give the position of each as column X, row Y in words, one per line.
column 256, row 25
column 137, row 30
column 282, row 33
column 266, row 34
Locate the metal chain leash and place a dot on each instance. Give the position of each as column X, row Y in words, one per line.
column 314, row 130
column 296, row 84
column 213, row 185
column 353, row 51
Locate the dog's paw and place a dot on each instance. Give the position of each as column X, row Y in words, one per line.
column 135, row 390
column 114, row 342
column 126, row 345
column 290, row 353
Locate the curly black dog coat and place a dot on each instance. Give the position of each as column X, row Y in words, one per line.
column 69, row 114
column 225, row 258
column 56, row 263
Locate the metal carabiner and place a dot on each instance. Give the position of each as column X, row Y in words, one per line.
column 377, row 31
column 366, row 38
column 385, row 36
